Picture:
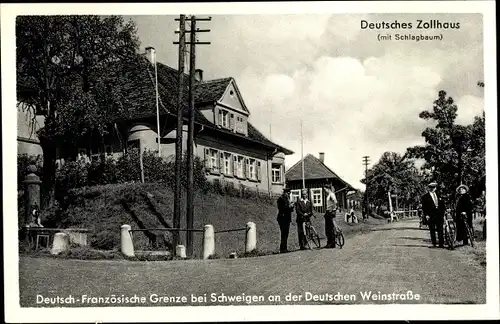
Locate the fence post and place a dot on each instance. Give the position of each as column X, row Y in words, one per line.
column 127, row 244
column 180, row 251
column 251, row 237
column 208, row 241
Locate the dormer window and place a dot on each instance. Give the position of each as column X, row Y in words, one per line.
column 225, row 119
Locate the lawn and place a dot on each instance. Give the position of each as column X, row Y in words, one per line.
column 103, row 209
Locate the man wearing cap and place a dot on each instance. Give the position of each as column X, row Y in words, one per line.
column 304, row 210
column 433, row 210
column 285, row 208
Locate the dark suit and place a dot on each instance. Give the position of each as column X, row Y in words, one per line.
column 284, row 219
column 301, row 209
column 464, row 205
column 436, row 217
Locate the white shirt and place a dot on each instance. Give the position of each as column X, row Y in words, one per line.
column 331, row 201
column 434, row 197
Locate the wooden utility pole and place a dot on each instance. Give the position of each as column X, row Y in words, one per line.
column 366, row 161
column 178, row 142
column 190, row 142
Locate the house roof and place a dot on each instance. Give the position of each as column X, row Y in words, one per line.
column 136, row 81
column 313, row 169
column 211, row 90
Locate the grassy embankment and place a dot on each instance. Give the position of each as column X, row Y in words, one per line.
column 103, row 209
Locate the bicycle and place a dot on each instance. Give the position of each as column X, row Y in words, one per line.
column 450, row 232
column 468, row 231
column 339, row 235
column 310, row 233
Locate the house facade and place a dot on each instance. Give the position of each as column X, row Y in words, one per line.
column 231, row 148
column 316, row 177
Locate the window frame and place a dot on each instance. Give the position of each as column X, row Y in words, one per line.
column 240, row 163
column 317, row 193
column 213, row 158
column 295, row 195
column 225, row 118
column 252, row 167
column 227, row 164
column 275, row 167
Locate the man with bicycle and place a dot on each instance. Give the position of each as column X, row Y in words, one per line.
column 331, row 207
column 433, row 210
column 304, row 211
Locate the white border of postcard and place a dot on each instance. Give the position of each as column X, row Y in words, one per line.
column 14, row 313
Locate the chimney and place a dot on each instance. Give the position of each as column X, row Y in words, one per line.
column 151, row 54
column 322, row 157
column 198, row 75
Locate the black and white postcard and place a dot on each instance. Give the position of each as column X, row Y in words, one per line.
column 273, row 161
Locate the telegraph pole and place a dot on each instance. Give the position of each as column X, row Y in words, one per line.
column 190, row 142
column 366, row 161
column 178, row 142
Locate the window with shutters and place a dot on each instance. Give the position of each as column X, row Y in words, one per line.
column 213, row 165
column 227, row 163
column 276, row 173
column 252, row 169
column 240, row 167
column 224, row 118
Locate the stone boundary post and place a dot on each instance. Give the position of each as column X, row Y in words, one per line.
column 127, row 244
column 61, row 243
column 31, row 194
column 208, row 241
column 251, row 237
column 180, row 251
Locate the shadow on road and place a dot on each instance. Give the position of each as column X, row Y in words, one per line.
column 411, row 245
column 395, row 229
column 415, row 239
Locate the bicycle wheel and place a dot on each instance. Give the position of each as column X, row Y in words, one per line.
column 449, row 238
column 339, row 238
column 314, row 237
column 452, row 228
column 307, row 234
column 469, row 233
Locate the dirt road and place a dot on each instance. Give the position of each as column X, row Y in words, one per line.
column 393, row 262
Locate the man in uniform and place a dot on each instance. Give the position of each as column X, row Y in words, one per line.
column 433, row 210
column 285, row 208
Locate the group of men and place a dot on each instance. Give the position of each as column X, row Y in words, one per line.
column 304, row 211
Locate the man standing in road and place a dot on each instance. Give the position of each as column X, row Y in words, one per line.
column 433, row 210
column 304, row 210
column 285, row 208
column 331, row 207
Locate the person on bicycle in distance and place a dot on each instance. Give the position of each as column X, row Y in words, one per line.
column 304, row 211
column 331, row 207
column 464, row 205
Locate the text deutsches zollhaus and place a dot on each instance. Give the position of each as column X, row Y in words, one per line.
column 417, row 24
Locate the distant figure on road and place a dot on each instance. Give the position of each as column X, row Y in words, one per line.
column 433, row 209
column 464, row 205
column 304, row 210
column 331, row 207
column 285, row 208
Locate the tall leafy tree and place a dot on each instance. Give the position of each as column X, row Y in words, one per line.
column 395, row 174
column 453, row 154
column 62, row 67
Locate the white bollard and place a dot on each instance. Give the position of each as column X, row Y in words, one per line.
column 251, row 237
column 208, row 241
column 61, row 243
column 127, row 244
column 180, row 251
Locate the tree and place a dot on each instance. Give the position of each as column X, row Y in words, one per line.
column 62, row 64
column 396, row 174
column 453, row 154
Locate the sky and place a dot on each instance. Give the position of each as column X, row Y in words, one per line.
column 353, row 94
